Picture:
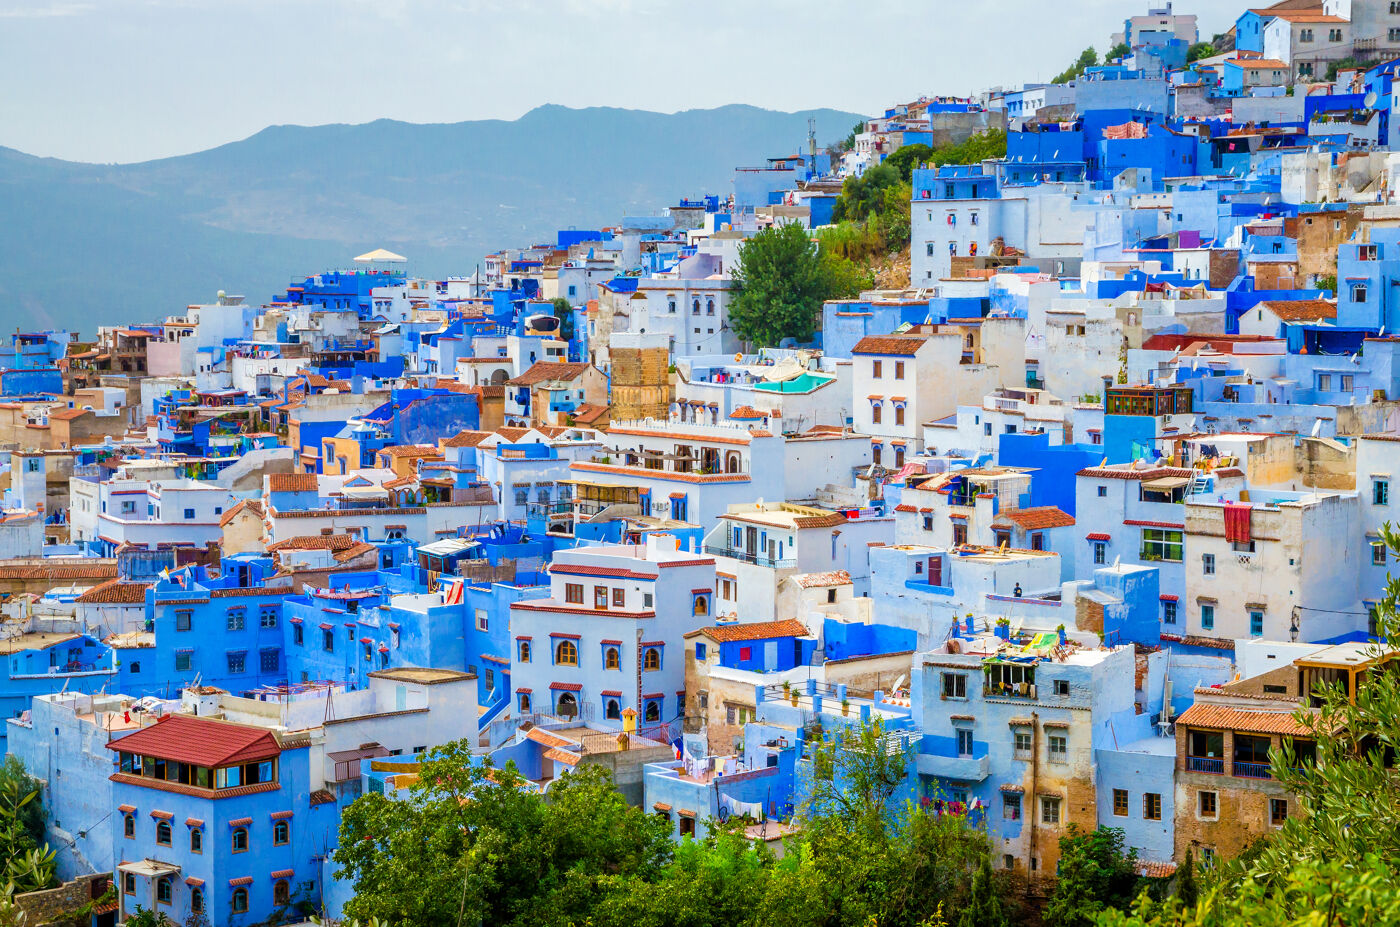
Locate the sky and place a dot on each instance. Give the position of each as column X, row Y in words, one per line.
column 133, row 80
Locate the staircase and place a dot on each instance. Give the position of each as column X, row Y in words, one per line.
column 1200, row 484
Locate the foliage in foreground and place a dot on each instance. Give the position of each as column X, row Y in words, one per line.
column 782, row 279
column 469, row 846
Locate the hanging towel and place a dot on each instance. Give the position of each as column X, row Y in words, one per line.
column 1237, row 522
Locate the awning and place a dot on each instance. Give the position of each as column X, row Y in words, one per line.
column 1166, row 483
column 379, row 254
column 148, row 868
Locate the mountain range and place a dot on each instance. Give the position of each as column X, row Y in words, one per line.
column 88, row 244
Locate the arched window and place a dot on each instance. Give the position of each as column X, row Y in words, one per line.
column 709, row 307
column 653, row 712
column 281, row 834
column 196, row 840
column 525, row 702
column 524, row 651
column 129, row 826
column 165, row 891
column 611, row 660
column 240, row 839
column 651, row 659
column 731, row 463
column 568, row 705
column 196, row 900
column 281, row 892
column 163, row 833
column 566, row 654
column 702, row 606
column 240, row 901
column 671, row 305
column 613, row 712
column 695, row 308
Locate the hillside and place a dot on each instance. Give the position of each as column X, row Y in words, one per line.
column 110, row 243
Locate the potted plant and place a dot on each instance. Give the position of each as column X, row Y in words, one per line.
column 787, row 689
column 1063, row 637
column 1003, row 629
column 845, row 706
column 794, row 695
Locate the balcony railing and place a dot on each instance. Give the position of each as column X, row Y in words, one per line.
column 1206, row 764
column 1252, row 770
column 735, row 553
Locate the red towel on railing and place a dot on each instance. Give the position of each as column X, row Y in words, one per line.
column 1237, row 522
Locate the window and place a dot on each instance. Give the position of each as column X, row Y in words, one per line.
column 1152, row 806
column 619, row 598
column 1011, row 806
column 954, row 685
column 1038, row 541
column 524, row 698
column 1103, row 492
column 1022, row 743
column 183, row 618
column 899, row 370
column 235, row 619
column 1207, row 617
column 1162, row 544
column 524, row 650
column 611, row 659
column 240, row 839
column 281, row 893
column 281, row 833
column 196, row 840
column 1393, row 35
column 964, row 742
column 196, row 900
column 189, row 514
column 183, row 661
column 651, row 659
column 1208, row 564
column 600, row 598
column 566, row 654
column 700, row 651
column 1120, row 802
column 1100, row 552
column 875, row 413
column 959, row 531
column 1380, row 492
column 164, row 890
column 573, row 593
column 1256, row 622
column 1062, row 687
column 1378, row 553
column 129, row 825
column 237, row 661
column 483, row 620
column 239, row 902
column 1358, row 293
column 269, row 660
column 1049, row 809
column 876, row 369
column 1324, row 382
column 1278, row 811
column 1305, row 35
column 1347, row 382
column 328, row 640
column 1206, row 805
column 745, row 654
column 899, row 415
column 1169, row 613
column 1058, row 748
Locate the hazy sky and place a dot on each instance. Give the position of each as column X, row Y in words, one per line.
column 129, row 80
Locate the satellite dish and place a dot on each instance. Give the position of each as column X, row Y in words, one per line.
column 1370, row 101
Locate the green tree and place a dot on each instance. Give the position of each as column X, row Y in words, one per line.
column 780, row 284
column 905, row 159
column 1345, row 64
column 1200, row 50
column 1088, row 58
column 1095, row 872
column 1121, row 50
column 864, row 194
column 1186, row 890
column 855, row 776
column 471, row 845
column 984, row 905
column 28, row 862
column 565, row 314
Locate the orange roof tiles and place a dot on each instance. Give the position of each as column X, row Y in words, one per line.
column 200, row 741
column 727, row 633
column 1039, row 518
column 548, row 371
column 292, row 482
column 1302, row 310
column 115, row 592
column 1226, row 718
column 900, row 345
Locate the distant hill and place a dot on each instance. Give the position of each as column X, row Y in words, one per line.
column 86, row 244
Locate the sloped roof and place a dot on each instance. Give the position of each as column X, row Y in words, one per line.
column 1226, row 718
column 821, row 580
column 292, row 482
column 115, row 592
column 1039, row 518
column 903, row 345
column 466, row 439
column 549, row 371
column 1302, row 310
column 728, row 633
column 588, row 413
column 200, row 741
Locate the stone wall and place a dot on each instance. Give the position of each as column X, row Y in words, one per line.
column 60, row 905
column 641, row 383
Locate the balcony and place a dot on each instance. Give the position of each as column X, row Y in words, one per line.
column 1252, row 770
column 735, row 553
column 1206, row 764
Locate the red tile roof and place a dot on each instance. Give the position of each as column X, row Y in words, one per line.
column 200, row 741
column 1226, row 718
column 548, row 372
column 115, row 592
column 1039, row 518
column 900, row 345
column 292, row 482
column 1302, row 310
column 727, row 633
column 466, row 439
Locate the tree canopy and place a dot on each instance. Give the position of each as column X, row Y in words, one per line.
column 1088, row 58
column 780, row 283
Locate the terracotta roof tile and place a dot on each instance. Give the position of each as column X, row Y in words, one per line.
column 820, row 580
column 901, row 345
column 292, row 482
column 1302, row 310
column 1039, row 518
column 466, row 439
column 727, row 633
column 548, row 371
column 115, row 592
column 1226, row 718
column 199, row 741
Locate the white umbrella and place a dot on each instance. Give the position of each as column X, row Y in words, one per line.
column 379, row 254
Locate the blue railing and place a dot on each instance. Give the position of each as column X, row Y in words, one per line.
column 1253, row 770
column 1205, row 764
